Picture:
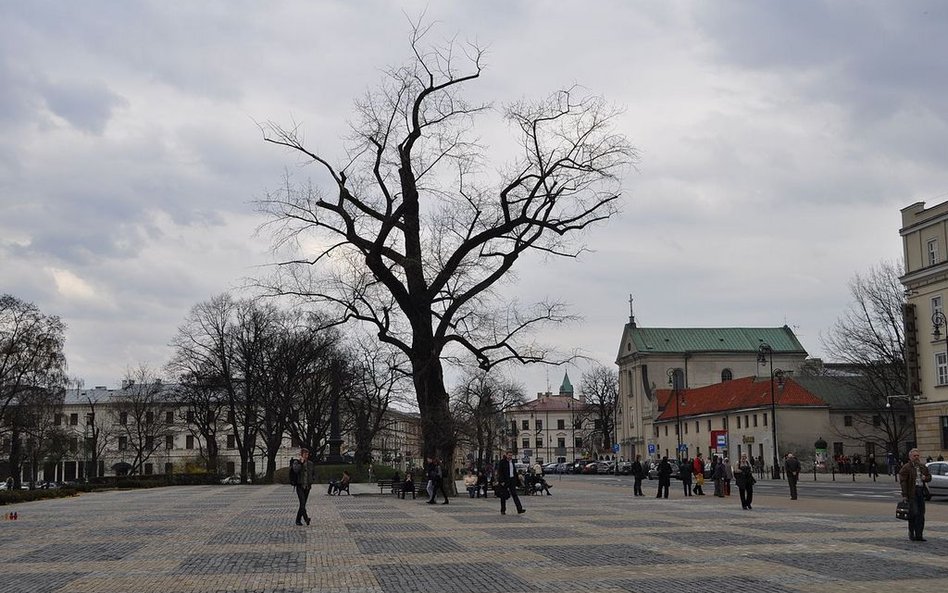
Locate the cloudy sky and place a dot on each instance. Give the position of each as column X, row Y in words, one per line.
column 778, row 141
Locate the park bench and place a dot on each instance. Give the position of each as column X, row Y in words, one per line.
column 389, row 484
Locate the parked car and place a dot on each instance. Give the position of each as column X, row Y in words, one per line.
column 231, row 480
column 653, row 470
column 550, row 468
column 562, row 468
column 625, row 467
column 939, row 484
column 591, row 467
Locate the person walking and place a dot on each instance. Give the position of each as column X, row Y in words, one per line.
column 664, row 478
column 728, row 476
column 436, row 476
column 684, row 472
column 697, row 467
column 302, row 473
column 638, row 473
column 744, row 478
column 717, row 474
column 507, row 476
column 792, row 467
column 913, row 477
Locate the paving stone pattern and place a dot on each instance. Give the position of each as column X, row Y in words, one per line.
column 241, row 539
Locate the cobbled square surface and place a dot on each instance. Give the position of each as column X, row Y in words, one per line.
column 599, row 555
column 858, row 566
column 88, row 552
column 448, row 578
column 242, row 563
column 405, row 545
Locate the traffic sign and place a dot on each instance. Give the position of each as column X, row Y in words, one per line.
column 652, row 448
column 615, row 448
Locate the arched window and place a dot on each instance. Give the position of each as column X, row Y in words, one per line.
column 726, row 375
column 677, row 380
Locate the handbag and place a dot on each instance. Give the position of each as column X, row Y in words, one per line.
column 902, row 510
column 500, row 491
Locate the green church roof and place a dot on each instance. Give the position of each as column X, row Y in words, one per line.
column 566, row 387
column 728, row 339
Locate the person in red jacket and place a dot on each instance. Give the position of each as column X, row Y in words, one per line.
column 698, row 469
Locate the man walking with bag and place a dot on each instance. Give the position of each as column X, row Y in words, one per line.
column 913, row 478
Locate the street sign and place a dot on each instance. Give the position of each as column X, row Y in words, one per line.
column 652, row 448
column 682, row 447
column 615, row 448
column 722, row 441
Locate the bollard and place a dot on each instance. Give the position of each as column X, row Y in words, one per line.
column 833, row 470
column 854, row 475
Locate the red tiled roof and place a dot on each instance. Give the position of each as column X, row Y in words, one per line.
column 739, row 394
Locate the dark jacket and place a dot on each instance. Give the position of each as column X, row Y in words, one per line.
column 908, row 475
column 503, row 472
column 637, row 470
column 664, row 470
column 744, row 476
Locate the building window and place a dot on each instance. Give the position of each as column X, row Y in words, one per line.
column 539, row 424
column 90, row 419
column 189, row 441
column 58, row 419
column 149, row 443
column 577, row 442
column 561, row 424
column 941, row 368
column 738, row 421
column 539, row 442
column 726, row 375
column 123, row 443
column 678, row 379
column 73, row 444
column 932, row 252
column 709, row 425
column 149, row 417
column 847, row 420
column 746, row 423
column 755, row 420
column 169, row 442
column 169, row 467
column 526, row 443
column 525, row 424
column 666, row 430
column 189, row 416
column 560, row 442
column 837, row 449
column 765, row 418
column 169, row 417
column 685, row 424
column 231, row 442
column 149, row 469
column 937, row 305
column 230, row 417
column 231, row 468
column 944, row 432
column 697, row 426
column 123, row 418
column 74, row 420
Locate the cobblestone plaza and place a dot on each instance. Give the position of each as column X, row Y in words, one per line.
column 595, row 538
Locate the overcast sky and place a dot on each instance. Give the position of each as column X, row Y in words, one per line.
column 778, row 142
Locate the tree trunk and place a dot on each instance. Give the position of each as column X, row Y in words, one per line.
column 437, row 425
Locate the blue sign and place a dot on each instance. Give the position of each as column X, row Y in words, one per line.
column 615, row 448
column 652, row 448
column 722, row 440
column 682, row 447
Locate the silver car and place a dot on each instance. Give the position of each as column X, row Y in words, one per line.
column 939, row 484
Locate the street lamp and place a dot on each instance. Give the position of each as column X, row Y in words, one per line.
column 765, row 353
column 673, row 381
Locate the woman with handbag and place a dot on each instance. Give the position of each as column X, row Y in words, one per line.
column 744, row 478
column 913, row 478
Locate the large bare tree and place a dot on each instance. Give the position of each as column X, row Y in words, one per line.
column 870, row 338
column 600, row 386
column 31, row 361
column 412, row 235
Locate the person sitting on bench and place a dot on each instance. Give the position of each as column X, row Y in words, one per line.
column 337, row 486
column 407, row 486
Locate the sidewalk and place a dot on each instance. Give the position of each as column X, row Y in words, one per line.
column 586, row 537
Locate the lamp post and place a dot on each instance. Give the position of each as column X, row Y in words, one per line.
column 764, row 354
column 673, row 381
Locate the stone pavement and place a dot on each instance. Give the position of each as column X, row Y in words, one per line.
column 586, row 537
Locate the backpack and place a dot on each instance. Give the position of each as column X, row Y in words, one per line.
column 296, row 472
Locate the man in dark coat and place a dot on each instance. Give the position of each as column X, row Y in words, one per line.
column 664, row 478
column 638, row 472
column 305, row 472
column 792, row 467
column 913, row 477
column 507, row 475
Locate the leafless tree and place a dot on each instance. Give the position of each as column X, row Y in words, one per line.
column 202, row 402
column 31, row 361
column 870, row 338
column 376, row 381
column 100, row 431
column 477, row 404
column 600, row 386
column 141, row 409
column 415, row 237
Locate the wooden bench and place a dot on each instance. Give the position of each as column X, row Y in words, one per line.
column 389, row 484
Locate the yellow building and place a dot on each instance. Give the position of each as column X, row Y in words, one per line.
column 925, row 247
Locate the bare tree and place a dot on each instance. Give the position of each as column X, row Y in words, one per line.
column 99, row 433
column 31, row 359
column 376, row 379
column 870, row 338
column 141, row 408
column 478, row 404
column 415, row 237
column 600, row 386
column 201, row 400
